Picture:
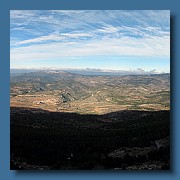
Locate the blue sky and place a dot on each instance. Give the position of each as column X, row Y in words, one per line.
column 109, row 39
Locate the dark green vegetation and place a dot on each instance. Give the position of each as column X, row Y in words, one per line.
column 122, row 140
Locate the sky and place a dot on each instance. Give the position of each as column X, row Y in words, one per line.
column 97, row 39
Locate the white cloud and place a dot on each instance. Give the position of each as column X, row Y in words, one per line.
column 108, row 29
column 156, row 46
column 52, row 37
column 73, row 34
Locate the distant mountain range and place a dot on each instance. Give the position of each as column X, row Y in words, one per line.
column 89, row 71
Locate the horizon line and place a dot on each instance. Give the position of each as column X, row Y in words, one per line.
column 138, row 70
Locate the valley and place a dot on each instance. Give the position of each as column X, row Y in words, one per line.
column 62, row 120
column 67, row 92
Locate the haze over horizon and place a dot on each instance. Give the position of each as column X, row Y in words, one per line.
column 108, row 40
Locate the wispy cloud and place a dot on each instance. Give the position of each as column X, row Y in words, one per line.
column 108, row 29
column 56, row 34
column 52, row 37
column 107, row 46
column 75, row 35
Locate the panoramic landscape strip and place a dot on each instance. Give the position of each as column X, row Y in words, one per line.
column 90, row 90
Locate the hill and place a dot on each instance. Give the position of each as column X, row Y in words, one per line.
column 63, row 120
column 67, row 92
column 120, row 140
